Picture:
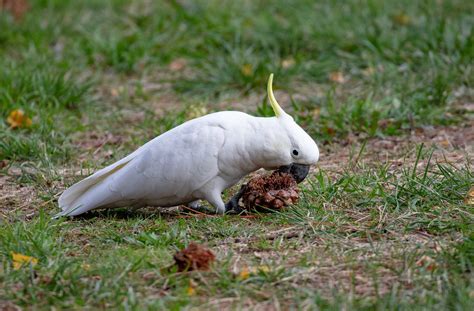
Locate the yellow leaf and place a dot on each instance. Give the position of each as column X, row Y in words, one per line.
column 469, row 199
column 246, row 70
column 401, row 19
column 244, row 274
column 288, row 62
column 86, row 266
column 445, row 143
column 190, row 291
column 17, row 118
column 19, row 260
column 337, row 77
column 315, row 112
column 196, row 111
column 263, row 269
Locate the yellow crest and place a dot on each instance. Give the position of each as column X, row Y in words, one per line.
column 276, row 107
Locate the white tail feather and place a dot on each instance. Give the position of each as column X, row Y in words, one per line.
column 70, row 200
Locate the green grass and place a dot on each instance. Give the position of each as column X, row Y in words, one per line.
column 403, row 61
column 377, row 227
column 46, row 94
column 359, row 221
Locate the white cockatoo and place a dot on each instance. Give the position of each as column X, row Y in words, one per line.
column 197, row 160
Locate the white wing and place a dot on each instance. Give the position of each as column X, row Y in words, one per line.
column 164, row 171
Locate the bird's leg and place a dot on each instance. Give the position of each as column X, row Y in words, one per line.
column 216, row 200
column 233, row 204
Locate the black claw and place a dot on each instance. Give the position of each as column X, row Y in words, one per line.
column 231, row 208
column 233, row 205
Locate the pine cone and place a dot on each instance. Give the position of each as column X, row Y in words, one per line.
column 271, row 192
column 194, row 257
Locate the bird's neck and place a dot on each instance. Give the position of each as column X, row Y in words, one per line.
column 257, row 143
column 268, row 143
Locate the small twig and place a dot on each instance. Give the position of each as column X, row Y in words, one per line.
column 248, row 216
column 195, row 211
column 100, row 146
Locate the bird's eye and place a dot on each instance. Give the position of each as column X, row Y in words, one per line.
column 295, row 152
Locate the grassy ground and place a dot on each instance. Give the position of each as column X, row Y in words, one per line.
column 385, row 87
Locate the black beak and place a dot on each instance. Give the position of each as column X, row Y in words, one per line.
column 299, row 171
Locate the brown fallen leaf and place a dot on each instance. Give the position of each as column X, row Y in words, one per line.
column 194, row 257
column 427, row 262
column 114, row 92
column 44, row 279
column 17, row 8
column 93, row 140
column 178, row 64
column 337, row 77
column 17, row 119
column 445, row 143
column 469, row 199
column 3, row 163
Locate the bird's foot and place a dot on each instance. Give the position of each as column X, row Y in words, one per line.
column 232, row 207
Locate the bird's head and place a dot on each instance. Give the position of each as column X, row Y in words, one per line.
column 293, row 150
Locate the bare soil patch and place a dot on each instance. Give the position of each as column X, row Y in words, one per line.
column 16, row 199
